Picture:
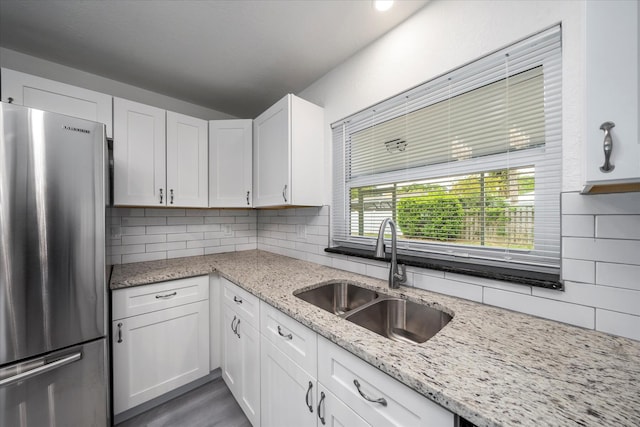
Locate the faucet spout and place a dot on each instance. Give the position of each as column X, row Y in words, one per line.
column 397, row 272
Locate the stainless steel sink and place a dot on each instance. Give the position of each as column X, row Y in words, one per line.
column 401, row 320
column 338, row 297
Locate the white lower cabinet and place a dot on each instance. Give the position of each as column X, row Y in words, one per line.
column 334, row 413
column 241, row 349
column 372, row 394
column 305, row 380
column 288, row 393
column 158, row 351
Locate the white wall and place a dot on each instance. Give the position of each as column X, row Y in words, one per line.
column 445, row 35
column 50, row 70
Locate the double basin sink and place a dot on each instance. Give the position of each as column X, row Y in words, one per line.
column 390, row 317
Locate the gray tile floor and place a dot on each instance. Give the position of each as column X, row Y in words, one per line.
column 207, row 406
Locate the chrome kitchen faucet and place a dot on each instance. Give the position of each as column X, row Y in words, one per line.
column 397, row 272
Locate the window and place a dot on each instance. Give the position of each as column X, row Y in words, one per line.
column 468, row 165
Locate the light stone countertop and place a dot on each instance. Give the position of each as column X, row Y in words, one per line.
column 492, row 366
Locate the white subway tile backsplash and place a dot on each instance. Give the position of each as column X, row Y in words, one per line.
column 578, row 270
column 618, row 227
column 203, row 212
column 616, row 323
column 166, row 229
column 146, row 238
column 618, row 275
column 185, row 252
column 126, row 249
column 203, row 243
column 219, row 249
column 600, row 204
column 447, row 287
column 149, row 256
column 578, row 225
column 192, row 228
column 247, row 246
column 163, row 212
column 127, row 211
column 234, row 241
column 176, row 237
column 130, row 231
column 219, row 219
column 155, row 247
column 616, row 299
column 609, row 250
column 143, row 220
column 322, row 259
column 348, row 265
column 573, row 314
column 176, row 220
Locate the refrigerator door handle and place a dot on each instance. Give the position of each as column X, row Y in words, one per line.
column 41, row 369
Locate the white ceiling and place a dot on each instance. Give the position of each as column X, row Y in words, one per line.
column 237, row 57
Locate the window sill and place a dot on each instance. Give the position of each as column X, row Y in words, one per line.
column 512, row 275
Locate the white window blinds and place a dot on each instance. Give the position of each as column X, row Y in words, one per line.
column 468, row 164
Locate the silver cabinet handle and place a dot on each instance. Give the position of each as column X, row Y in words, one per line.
column 322, row 396
column 237, row 300
column 120, row 332
column 248, row 192
column 171, row 196
column 306, row 398
column 161, row 196
column 237, row 326
column 173, row 294
column 381, row 401
column 608, row 146
column 284, row 193
column 233, row 328
column 288, row 336
column 40, row 369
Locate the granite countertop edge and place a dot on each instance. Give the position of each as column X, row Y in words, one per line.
column 491, row 366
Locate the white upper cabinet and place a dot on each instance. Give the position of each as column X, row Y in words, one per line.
column 44, row 94
column 160, row 157
column 612, row 93
column 139, row 154
column 230, row 163
column 288, row 150
column 187, row 161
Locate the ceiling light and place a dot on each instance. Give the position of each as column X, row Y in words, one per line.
column 383, row 5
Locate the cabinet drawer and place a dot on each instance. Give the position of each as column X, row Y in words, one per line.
column 245, row 304
column 144, row 299
column 295, row 340
column 338, row 370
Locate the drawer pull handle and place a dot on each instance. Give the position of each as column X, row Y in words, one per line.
column 171, row 193
column 607, row 146
column 237, row 326
column 233, row 327
column 288, row 336
column 381, row 401
column 284, row 193
column 161, row 196
column 173, row 294
column 238, row 300
column 248, row 192
column 120, row 332
column 322, row 396
column 306, row 398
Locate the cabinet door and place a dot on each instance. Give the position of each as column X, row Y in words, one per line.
column 157, row 352
column 272, row 155
column 187, row 161
column 231, row 352
column 139, row 154
column 249, row 399
column 230, row 163
column 333, row 412
column 612, row 89
column 49, row 95
column 288, row 392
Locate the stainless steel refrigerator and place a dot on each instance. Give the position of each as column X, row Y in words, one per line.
column 53, row 351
